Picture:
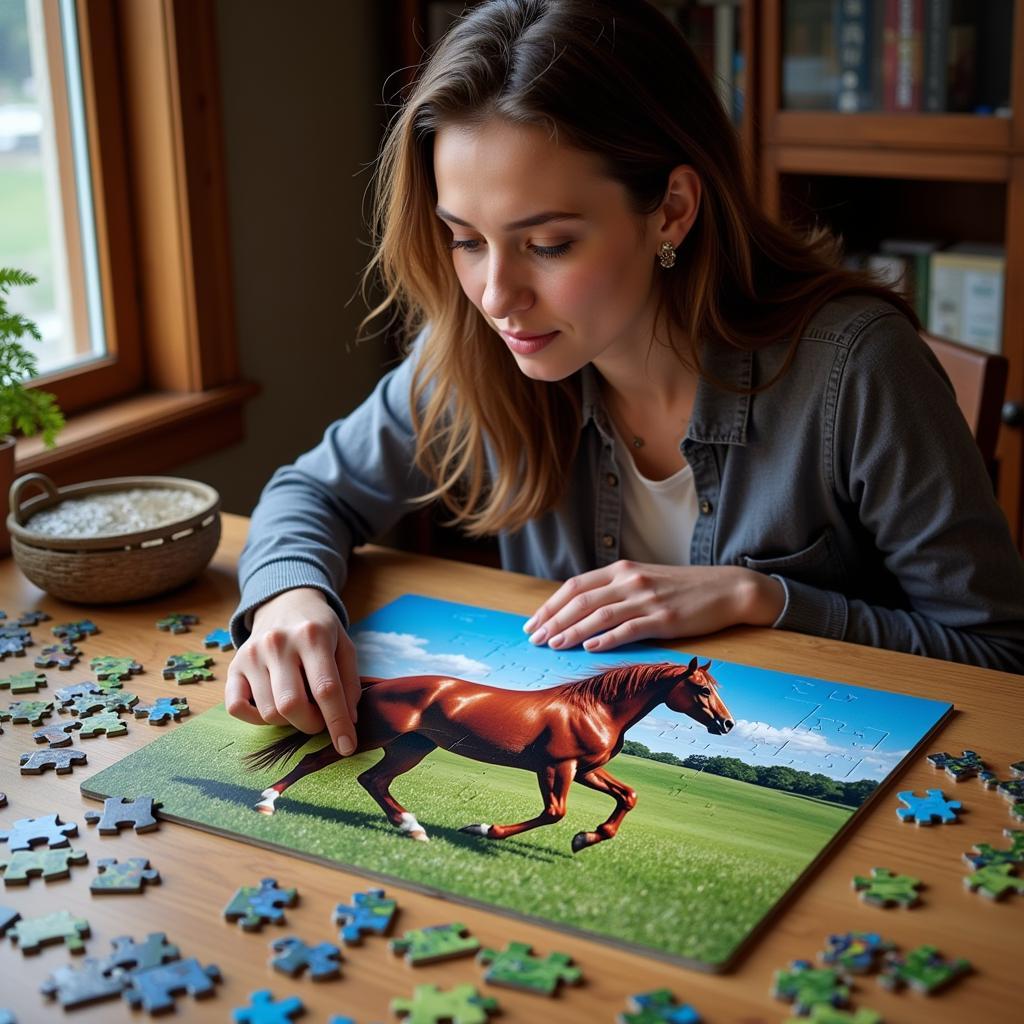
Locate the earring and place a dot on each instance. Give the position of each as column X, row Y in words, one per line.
column 667, row 255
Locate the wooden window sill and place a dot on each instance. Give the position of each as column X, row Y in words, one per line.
column 148, row 433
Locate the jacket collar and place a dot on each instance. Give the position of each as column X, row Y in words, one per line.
column 719, row 416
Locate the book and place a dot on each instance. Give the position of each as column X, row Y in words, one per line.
column 854, row 35
column 937, row 20
column 916, row 253
column 809, row 68
column 966, row 301
column 901, row 54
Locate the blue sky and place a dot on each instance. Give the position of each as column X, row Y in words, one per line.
column 845, row 732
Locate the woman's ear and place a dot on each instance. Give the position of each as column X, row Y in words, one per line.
column 680, row 206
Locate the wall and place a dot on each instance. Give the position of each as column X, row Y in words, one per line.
column 301, row 89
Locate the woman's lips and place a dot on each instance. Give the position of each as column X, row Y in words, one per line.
column 528, row 346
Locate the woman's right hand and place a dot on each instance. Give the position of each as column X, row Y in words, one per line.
column 297, row 668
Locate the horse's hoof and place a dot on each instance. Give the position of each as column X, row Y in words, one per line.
column 477, row 830
column 264, row 808
column 419, row 835
column 581, row 841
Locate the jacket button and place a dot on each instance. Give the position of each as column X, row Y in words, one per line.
column 608, row 540
column 705, row 507
column 612, row 480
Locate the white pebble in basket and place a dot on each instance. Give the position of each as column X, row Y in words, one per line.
column 115, row 512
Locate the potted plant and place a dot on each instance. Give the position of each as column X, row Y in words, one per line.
column 27, row 410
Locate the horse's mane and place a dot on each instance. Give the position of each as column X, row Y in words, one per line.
column 619, row 683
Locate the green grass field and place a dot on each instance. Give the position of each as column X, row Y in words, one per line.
column 23, row 230
column 694, row 867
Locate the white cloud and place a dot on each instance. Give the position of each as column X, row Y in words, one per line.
column 407, row 647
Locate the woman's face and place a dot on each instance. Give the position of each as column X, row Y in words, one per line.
column 581, row 274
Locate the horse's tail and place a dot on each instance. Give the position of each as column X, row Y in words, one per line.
column 279, row 750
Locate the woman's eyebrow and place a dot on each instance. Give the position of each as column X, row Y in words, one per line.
column 526, row 222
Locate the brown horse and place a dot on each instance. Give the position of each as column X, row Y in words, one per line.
column 564, row 734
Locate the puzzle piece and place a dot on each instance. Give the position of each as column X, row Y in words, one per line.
column 28, row 832
column 32, row 933
column 922, row 969
column 927, row 809
column 295, row 956
column 986, row 854
column 31, row 712
column 47, row 863
column 830, row 1015
column 189, row 675
column 154, row 988
column 72, row 632
column 177, row 622
column 1013, row 791
column 114, row 670
column 23, row 682
column 855, row 952
column 162, row 710
column 33, row 618
column 252, row 907
column 884, row 888
column 79, row 986
column 190, row 659
column 657, row 1007
column 966, row 766
column 66, row 694
column 371, row 912
column 96, row 703
column 120, row 812
column 123, row 876
column 436, row 942
column 61, row 761
column 57, row 734
column 130, row 955
column 14, row 641
column 431, row 1005
column 264, row 1009
column 219, row 638
column 108, row 722
column 60, row 656
column 994, row 881
column 806, row 986
column 516, row 967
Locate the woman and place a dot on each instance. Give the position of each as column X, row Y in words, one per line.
column 620, row 367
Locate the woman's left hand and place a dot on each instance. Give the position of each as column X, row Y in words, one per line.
column 628, row 601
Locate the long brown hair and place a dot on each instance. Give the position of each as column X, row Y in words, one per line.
column 617, row 79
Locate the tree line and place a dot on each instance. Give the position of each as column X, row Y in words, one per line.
column 776, row 776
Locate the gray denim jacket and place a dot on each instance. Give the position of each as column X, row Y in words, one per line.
column 853, row 480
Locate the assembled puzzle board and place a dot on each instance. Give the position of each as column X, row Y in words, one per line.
column 725, row 823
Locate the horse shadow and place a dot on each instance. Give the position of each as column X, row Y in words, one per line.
column 242, row 796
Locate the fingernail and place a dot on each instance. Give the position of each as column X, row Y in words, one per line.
column 590, row 644
column 345, row 746
column 539, row 637
column 556, row 641
column 529, row 624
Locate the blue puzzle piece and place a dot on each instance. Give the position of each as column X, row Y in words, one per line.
column 154, row 988
column 294, row 956
column 370, row 912
column 264, row 1009
column 219, row 638
column 658, row 1007
column 924, row 810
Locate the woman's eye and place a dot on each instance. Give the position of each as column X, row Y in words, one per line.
column 546, row 251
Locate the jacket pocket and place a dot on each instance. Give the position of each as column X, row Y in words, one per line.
column 819, row 563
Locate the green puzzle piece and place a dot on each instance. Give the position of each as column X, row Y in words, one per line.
column 830, row 1015
column 922, row 969
column 109, row 722
column 114, row 670
column 516, row 967
column 430, row 1005
column 884, row 888
column 438, row 942
column 657, row 1007
column 994, row 881
column 123, row 876
column 50, row 864
column 189, row 659
column 23, row 682
column 807, row 986
column 31, row 711
column 987, row 854
column 32, row 933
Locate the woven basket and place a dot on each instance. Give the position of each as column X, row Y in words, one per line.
column 117, row 567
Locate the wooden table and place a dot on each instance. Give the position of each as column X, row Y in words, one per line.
column 201, row 871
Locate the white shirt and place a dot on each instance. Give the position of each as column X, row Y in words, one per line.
column 658, row 516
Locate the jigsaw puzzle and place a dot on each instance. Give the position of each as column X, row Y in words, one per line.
column 154, row 988
column 32, row 933
column 370, row 911
column 986, row 854
column 61, row 761
column 932, row 807
column 252, row 906
column 807, row 986
column 189, row 667
column 177, row 622
column 82, row 986
column 129, row 955
column 162, row 710
column 7, row 917
column 60, row 656
column 33, row 618
column 263, row 1008
column 120, row 812
column 123, row 876
column 657, row 1007
column 434, row 943
column 787, row 737
column 66, row 694
column 109, row 723
column 884, row 888
column 923, row 969
column 29, row 712
column 994, row 881
column 966, row 766
column 855, row 952
column 516, row 967
column 114, row 670
column 96, row 703
column 323, row 961
column 431, row 1005
column 29, row 832
column 822, row 1014
column 23, row 682
column 47, row 864
column 72, row 632
column 219, row 638
column 58, row 734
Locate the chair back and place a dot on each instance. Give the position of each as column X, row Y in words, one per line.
column 979, row 380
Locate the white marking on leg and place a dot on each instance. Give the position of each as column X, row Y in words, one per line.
column 412, row 828
column 266, row 804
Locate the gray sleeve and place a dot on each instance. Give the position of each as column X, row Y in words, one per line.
column 353, row 486
column 905, row 462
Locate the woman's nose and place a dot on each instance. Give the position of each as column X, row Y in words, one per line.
column 505, row 293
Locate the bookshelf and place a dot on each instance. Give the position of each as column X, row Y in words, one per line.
column 869, row 173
